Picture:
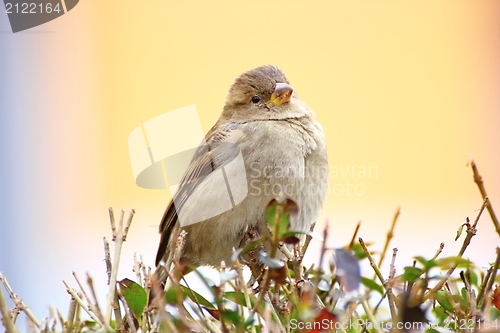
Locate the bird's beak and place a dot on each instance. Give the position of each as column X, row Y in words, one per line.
column 281, row 94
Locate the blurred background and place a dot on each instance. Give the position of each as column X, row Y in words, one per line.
column 409, row 89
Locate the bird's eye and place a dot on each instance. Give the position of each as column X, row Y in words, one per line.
column 255, row 99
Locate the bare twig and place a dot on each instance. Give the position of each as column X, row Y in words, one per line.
column 94, row 296
column 389, row 236
column 492, row 278
column 370, row 315
column 353, row 239
column 471, row 232
column 242, row 286
column 483, row 285
column 283, row 249
column 107, row 258
column 438, row 252
column 7, row 320
column 479, row 181
column 137, row 269
column 91, row 306
column 128, row 315
column 273, row 312
column 120, row 326
column 71, row 315
column 61, row 321
column 112, row 222
column 320, row 264
column 129, row 222
column 307, row 241
column 80, row 302
column 392, row 269
column 378, row 273
column 19, row 303
column 119, row 236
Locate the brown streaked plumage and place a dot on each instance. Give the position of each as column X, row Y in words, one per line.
column 283, row 147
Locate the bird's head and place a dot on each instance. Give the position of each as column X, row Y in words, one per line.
column 262, row 93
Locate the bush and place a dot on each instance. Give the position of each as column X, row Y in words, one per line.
column 283, row 295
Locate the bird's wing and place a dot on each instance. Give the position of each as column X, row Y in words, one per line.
column 205, row 160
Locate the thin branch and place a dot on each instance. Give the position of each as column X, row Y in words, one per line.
column 82, row 304
column 119, row 326
column 320, row 264
column 389, row 236
column 90, row 282
column 7, row 320
column 71, row 315
column 129, row 222
column 483, row 285
column 91, row 306
column 119, row 237
column 392, row 269
column 471, row 232
column 370, row 316
column 378, row 273
column 438, row 252
column 19, row 303
column 353, row 239
column 272, row 310
column 242, row 286
column 112, row 222
column 107, row 258
column 284, row 249
column 128, row 315
column 479, row 181
column 307, row 241
column 492, row 278
column 137, row 269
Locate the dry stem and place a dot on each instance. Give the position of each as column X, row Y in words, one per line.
column 119, row 236
column 471, row 232
column 19, row 303
column 7, row 320
column 389, row 236
column 479, row 181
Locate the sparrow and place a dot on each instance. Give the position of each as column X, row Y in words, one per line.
column 282, row 151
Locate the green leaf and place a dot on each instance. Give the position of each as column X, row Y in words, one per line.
column 135, row 296
column 358, row 251
column 174, row 295
column 197, row 298
column 495, row 314
column 271, row 212
column 288, row 208
column 232, row 316
column 411, row 273
column 459, row 232
column 251, row 245
column 441, row 297
column 372, row 285
column 471, row 277
column 440, row 314
column 428, row 264
column 239, row 298
column 447, row 262
column 292, row 237
column 463, row 292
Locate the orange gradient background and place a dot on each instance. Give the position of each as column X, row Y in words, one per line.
column 409, row 87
